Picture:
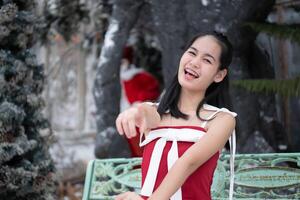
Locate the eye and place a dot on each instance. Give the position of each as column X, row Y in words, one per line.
column 207, row 61
column 191, row 53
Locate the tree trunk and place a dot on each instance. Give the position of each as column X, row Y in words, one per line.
column 172, row 31
column 81, row 89
column 107, row 87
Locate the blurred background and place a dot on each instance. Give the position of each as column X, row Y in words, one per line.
column 67, row 68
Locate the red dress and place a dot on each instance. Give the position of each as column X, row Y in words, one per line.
column 197, row 185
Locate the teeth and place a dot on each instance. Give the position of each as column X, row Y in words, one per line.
column 192, row 72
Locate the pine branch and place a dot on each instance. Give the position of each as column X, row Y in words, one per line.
column 286, row 88
column 284, row 31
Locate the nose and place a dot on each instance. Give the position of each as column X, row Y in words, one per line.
column 195, row 62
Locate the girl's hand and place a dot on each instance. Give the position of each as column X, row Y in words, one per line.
column 142, row 115
column 128, row 196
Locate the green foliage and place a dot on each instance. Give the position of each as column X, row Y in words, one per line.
column 284, row 31
column 286, row 88
column 26, row 169
column 17, row 27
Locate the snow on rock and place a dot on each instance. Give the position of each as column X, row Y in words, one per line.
column 108, row 41
column 113, row 28
column 204, row 2
column 220, row 28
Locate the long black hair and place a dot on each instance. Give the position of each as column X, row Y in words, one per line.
column 217, row 94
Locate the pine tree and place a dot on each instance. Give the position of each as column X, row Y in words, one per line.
column 26, row 169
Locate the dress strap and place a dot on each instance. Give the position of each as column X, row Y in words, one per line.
column 203, row 125
column 217, row 110
column 232, row 143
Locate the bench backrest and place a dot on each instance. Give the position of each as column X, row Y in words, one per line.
column 257, row 176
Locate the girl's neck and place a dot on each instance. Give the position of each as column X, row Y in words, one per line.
column 188, row 101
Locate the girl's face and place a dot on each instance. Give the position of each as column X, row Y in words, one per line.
column 199, row 65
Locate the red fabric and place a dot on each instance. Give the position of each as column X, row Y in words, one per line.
column 142, row 87
column 197, row 186
column 136, row 150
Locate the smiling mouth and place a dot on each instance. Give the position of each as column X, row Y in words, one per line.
column 191, row 72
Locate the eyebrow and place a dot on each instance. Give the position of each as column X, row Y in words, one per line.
column 206, row 54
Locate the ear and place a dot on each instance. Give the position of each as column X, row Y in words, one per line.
column 220, row 75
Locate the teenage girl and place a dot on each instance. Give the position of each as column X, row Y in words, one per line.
column 184, row 134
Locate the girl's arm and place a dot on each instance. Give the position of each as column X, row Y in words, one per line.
column 142, row 115
column 214, row 139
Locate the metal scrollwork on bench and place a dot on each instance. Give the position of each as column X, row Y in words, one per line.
column 257, row 176
column 114, row 176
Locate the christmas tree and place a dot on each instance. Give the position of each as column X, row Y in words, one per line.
column 26, row 169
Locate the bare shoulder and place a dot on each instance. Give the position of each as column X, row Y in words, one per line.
column 223, row 119
column 226, row 116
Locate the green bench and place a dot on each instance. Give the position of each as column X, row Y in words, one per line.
column 257, row 176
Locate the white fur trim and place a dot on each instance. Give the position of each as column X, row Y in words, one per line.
column 127, row 74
